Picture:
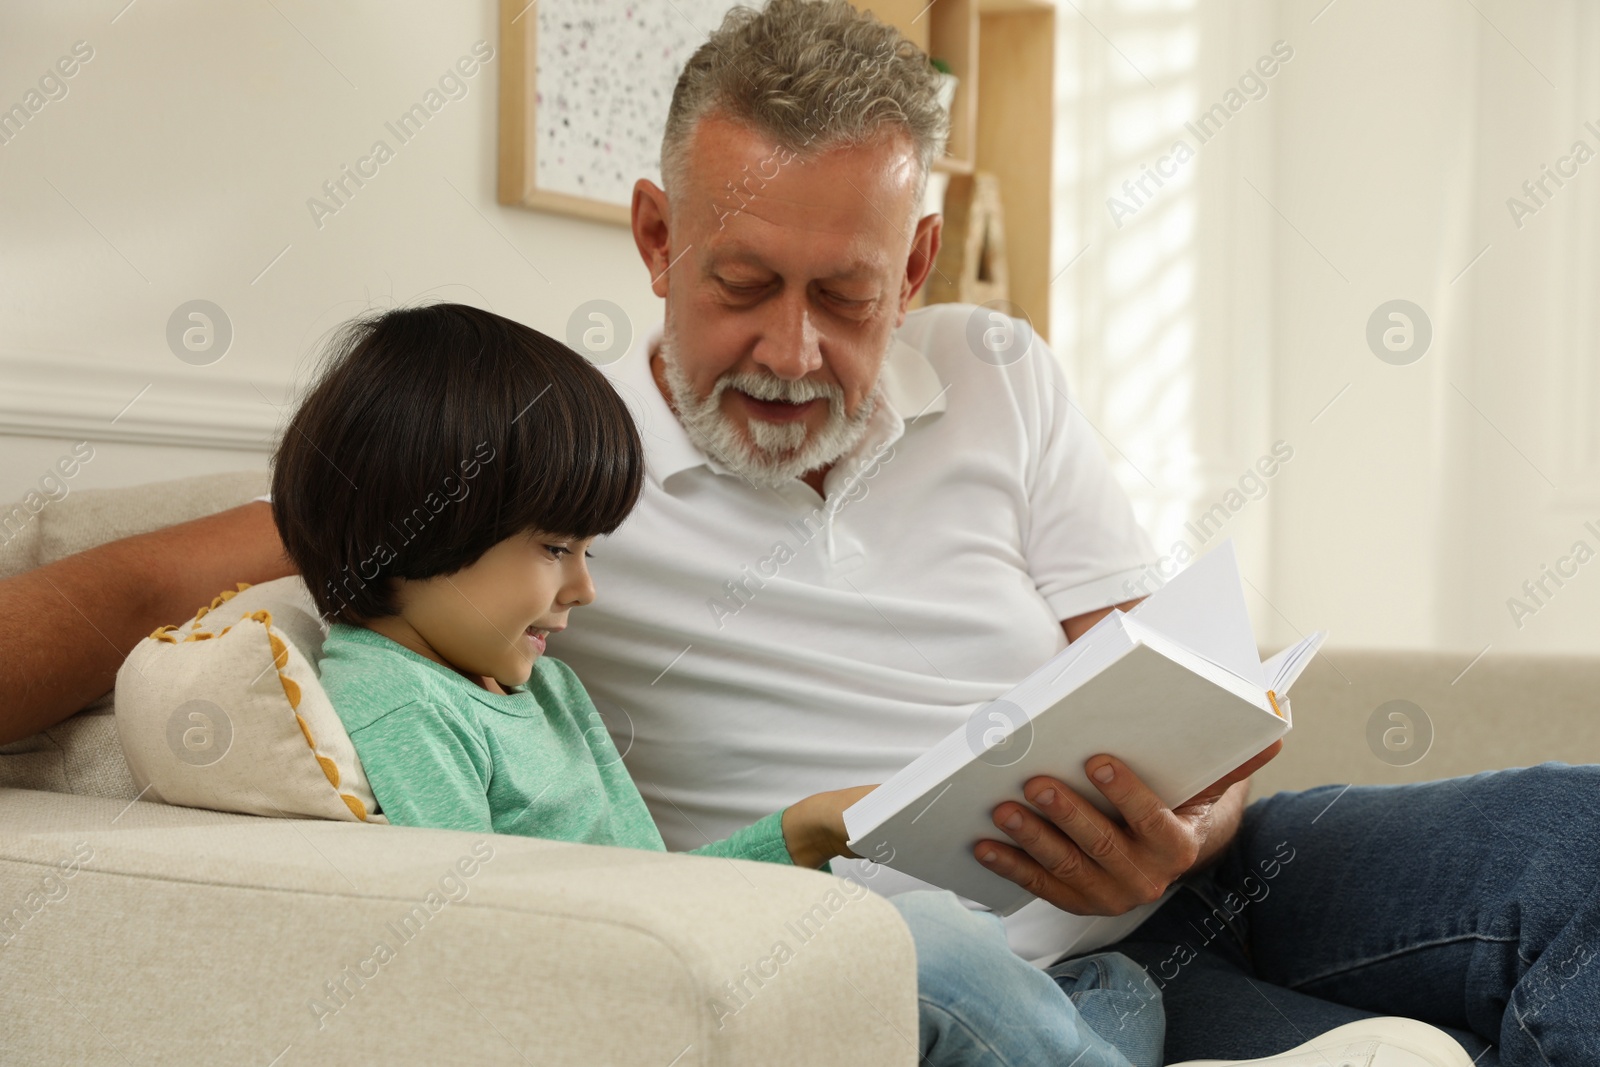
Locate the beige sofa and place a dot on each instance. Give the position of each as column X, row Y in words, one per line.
column 185, row 935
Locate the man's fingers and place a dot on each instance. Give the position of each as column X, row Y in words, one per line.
column 1164, row 841
column 1065, row 857
column 1104, row 847
column 1143, row 812
column 1014, row 864
column 1091, row 831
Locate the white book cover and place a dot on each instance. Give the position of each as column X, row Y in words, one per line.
column 1174, row 688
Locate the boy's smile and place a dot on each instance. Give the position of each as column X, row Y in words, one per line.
column 490, row 621
column 537, row 636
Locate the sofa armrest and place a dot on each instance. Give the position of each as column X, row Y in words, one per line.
column 148, row 933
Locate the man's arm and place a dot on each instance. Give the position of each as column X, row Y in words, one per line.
column 1079, row 625
column 66, row 627
column 1081, row 861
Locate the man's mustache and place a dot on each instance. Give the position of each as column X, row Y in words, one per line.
column 771, row 387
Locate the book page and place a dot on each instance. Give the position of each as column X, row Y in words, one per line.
column 1203, row 609
column 1282, row 670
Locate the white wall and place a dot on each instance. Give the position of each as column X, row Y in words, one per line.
column 178, row 167
column 1429, row 492
column 1374, row 173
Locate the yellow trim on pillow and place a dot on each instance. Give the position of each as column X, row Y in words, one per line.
column 331, row 769
column 291, row 690
column 280, row 659
column 217, row 602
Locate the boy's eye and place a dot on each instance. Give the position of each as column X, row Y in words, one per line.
column 557, row 550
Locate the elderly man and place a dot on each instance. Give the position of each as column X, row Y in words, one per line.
column 855, row 531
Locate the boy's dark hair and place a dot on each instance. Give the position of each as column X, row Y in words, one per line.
column 433, row 434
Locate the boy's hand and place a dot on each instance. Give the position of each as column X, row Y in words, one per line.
column 813, row 829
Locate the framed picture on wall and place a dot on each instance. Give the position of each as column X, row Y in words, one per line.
column 584, row 90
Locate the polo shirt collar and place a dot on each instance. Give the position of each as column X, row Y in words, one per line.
column 911, row 389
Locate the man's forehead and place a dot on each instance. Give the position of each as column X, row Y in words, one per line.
column 765, row 200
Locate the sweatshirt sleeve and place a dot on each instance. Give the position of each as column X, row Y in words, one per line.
column 427, row 766
column 762, row 841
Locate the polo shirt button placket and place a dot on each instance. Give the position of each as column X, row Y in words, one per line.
column 845, row 552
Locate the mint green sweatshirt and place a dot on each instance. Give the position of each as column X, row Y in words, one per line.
column 440, row 751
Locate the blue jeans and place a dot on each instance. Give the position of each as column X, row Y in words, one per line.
column 980, row 1005
column 1470, row 903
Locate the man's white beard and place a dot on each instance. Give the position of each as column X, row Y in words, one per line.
column 775, row 453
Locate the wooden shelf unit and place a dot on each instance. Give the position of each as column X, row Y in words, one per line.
column 1003, row 118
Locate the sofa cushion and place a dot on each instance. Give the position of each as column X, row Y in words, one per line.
column 78, row 755
column 81, row 754
column 225, row 711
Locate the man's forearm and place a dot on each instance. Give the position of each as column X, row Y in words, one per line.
column 65, row 628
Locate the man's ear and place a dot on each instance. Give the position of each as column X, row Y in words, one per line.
column 919, row 262
column 650, row 232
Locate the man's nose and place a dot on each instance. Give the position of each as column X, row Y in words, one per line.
column 791, row 345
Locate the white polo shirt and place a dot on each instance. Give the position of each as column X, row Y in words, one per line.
column 751, row 646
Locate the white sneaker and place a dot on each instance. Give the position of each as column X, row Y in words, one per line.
column 1386, row 1042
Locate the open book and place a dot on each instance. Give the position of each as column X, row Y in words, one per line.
column 1173, row 688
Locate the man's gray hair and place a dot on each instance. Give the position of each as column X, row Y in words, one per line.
column 812, row 75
